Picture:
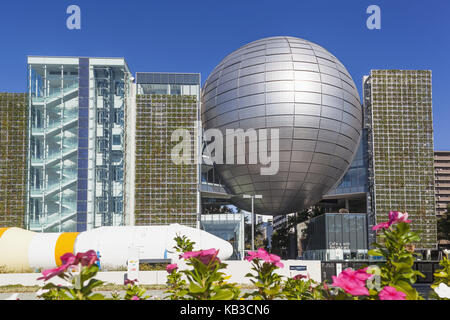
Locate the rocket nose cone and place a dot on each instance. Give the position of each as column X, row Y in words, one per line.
column 225, row 248
column 225, row 251
column 209, row 241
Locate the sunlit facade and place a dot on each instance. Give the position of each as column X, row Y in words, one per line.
column 442, row 182
column 164, row 192
column 76, row 142
column 399, row 121
column 13, row 151
column 351, row 192
column 334, row 236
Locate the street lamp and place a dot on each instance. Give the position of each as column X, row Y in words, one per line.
column 253, row 197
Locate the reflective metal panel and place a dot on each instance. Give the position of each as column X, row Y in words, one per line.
column 300, row 88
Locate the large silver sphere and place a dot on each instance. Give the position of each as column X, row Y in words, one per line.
column 302, row 89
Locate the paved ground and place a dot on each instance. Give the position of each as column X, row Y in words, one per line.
column 423, row 290
column 157, row 294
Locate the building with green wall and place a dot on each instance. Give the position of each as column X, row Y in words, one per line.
column 13, row 158
column 165, row 192
column 76, row 142
column 399, row 119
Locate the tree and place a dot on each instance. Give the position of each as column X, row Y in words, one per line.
column 217, row 209
column 280, row 241
column 259, row 242
column 280, row 238
column 443, row 227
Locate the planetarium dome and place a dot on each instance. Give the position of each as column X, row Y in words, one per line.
column 303, row 90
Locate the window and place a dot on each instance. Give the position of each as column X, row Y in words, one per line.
column 117, row 140
column 101, row 144
column 100, row 117
column 118, row 205
column 119, row 88
column 102, row 206
column 118, row 117
column 102, row 174
column 117, row 174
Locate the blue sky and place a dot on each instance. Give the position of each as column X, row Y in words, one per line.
column 194, row 36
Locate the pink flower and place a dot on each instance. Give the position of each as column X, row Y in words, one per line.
column 135, row 298
column 132, row 282
column 88, row 258
column 274, row 259
column 394, row 217
column 299, row 277
column 171, row 267
column 67, row 260
column 205, row 256
column 390, row 293
column 352, row 282
column 361, row 274
column 279, row 265
column 383, row 225
column 262, row 254
column 397, row 217
column 85, row 259
column 351, row 287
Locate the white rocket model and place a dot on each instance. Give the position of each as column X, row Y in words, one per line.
column 22, row 250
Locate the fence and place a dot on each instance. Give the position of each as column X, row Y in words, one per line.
column 428, row 268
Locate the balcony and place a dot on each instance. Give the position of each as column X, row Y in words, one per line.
column 54, row 189
column 55, row 128
column 51, row 221
column 66, row 93
column 54, row 159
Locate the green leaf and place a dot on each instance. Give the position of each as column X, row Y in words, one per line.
column 97, row 296
column 196, row 289
column 375, row 252
column 418, row 273
column 411, row 293
column 223, row 295
column 93, row 283
column 401, row 266
column 373, row 292
column 403, row 227
column 50, row 285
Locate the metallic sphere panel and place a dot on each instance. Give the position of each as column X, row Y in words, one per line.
column 304, row 91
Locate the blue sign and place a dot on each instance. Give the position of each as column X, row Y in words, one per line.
column 98, row 262
column 297, row 268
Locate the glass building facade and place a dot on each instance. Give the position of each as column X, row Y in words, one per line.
column 334, row 236
column 166, row 192
column 355, row 180
column 351, row 193
column 76, row 151
column 442, row 182
column 399, row 121
column 229, row 227
column 13, row 164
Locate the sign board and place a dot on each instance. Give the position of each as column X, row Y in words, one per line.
column 98, row 261
column 298, row 268
column 133, row 264
column 339, row 245
column 338, row 268
column 339, row 254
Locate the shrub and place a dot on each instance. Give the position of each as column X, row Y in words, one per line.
column 205, row 279
column 397, row 271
